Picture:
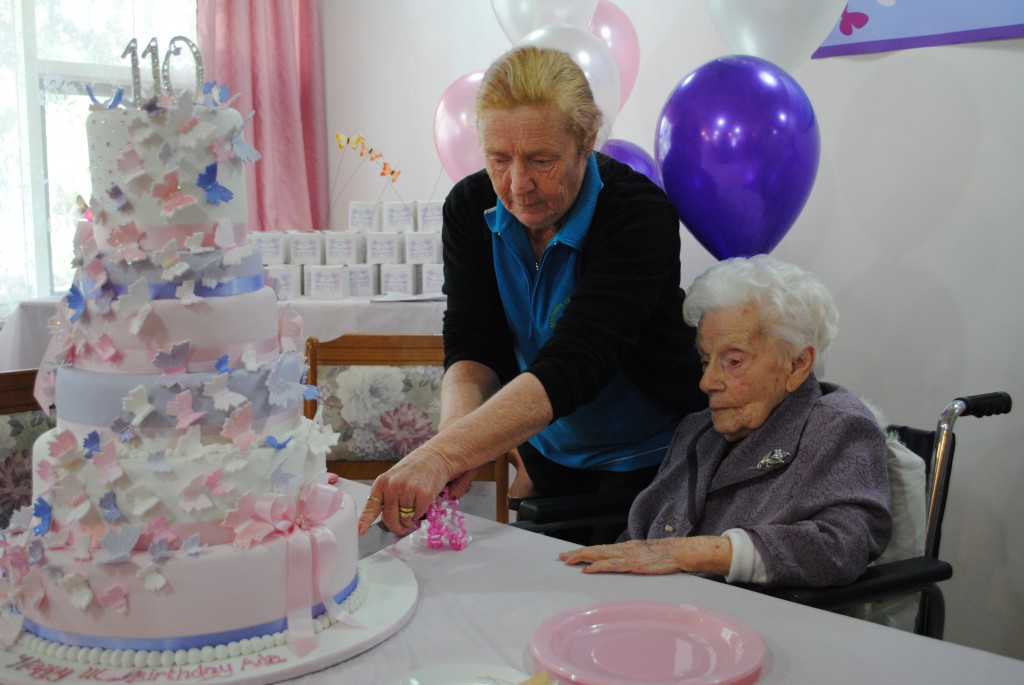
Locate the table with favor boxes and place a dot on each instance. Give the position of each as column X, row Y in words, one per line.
column 387, row 248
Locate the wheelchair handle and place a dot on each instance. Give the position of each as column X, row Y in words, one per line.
column 988, row 404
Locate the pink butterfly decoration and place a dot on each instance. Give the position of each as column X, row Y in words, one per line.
column 248, row 529
column 239, row 428
column 115, row 597
column 106, row 461
column 106, row 349
column 222, row 153
column 64, row 448
column 215, row 481
column 851, row 20
column 180, row 407
column 130, row 164
column 193, row 498
column 170, row 194
column 157, row 530
column 125, row 239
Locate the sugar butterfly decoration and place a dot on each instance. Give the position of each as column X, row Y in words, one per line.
column 215, row 192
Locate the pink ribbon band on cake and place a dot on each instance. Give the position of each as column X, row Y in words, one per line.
column 155, row 237
column 176, row 643
column 311, row 553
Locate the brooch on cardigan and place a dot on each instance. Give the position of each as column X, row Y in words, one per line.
column 777, row 457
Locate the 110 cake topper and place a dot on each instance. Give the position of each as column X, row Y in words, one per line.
column 161, row 73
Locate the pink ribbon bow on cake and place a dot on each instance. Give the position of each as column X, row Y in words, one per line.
column 312, row 550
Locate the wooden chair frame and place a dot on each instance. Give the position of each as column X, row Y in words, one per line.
column 391, row 350
column 16, row 388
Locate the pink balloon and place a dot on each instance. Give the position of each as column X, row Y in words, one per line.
column 614, row 28
column 455, row 133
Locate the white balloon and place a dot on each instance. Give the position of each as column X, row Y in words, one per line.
column 595, row 59
column 784, row 32
column 519, row 17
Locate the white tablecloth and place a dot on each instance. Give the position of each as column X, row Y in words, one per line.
column 24, row 337
column 484, row 603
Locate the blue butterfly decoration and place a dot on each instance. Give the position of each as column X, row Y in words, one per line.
column 42, row 510
column 75, row 302
column 152, row 106
column 112, row 103
column 108, row 503
column 124, row 430
column 224, row 365
column 118, row 196
column 91, row 443
column 276, row 444
column 312, row 392
column 211, row 99
column 215, row 192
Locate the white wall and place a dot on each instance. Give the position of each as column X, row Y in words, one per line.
column 916, row 223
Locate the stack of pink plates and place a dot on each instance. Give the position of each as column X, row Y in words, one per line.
column 648, row 643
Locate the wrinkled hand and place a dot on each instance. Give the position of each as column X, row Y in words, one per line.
column 402, row 494
column 700, row 554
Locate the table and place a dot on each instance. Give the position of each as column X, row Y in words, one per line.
column 483, row 604
column 24, row 337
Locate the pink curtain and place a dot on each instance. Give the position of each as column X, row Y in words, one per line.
column 271, row 53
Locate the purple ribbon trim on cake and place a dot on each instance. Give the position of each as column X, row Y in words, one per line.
column 169, row 291
column 176, row 643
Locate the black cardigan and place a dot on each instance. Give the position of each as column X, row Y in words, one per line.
column 626, row 312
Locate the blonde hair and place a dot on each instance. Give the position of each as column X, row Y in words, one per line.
column 542, row 76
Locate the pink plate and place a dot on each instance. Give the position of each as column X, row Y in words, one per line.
column 654, row 643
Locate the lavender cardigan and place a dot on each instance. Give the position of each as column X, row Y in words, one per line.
column 809, row 486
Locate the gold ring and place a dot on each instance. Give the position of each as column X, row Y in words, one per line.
column 406, row 512
column 378, row 500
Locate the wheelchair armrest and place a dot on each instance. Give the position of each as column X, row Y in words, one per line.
column 893, row 578
column 543, row 510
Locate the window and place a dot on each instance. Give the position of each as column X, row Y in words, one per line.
column 50, row 50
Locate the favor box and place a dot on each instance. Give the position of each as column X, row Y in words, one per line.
column 327, row 282
column 398, row 217
column 423, row 248
column 364, row 279
column 428, row 216
column 306, row 248
column 342, row 247
column 400, row 278
column 271, row 246
column 431, row 278
column 363, row 217
column 385, row 248
column 287, row 280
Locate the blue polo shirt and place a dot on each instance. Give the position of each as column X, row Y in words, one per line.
column 620, row 430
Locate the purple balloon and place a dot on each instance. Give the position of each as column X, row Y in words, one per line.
column 633, row 156
column 737, row 145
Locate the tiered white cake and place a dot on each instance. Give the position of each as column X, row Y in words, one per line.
column 181, row 504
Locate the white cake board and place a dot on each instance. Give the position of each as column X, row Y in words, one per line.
column 391, row 596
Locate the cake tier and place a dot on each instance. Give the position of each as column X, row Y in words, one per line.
column 88, row 401
column 172, row 489
column 219, row 595
column 210, row 274
column 150, row 167
column 212, row 327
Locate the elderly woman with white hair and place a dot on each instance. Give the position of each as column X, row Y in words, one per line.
column 782, row 480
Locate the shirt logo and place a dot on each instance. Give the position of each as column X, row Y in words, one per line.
column 556, row 312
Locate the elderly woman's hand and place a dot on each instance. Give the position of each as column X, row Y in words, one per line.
column 402, row 494
column 700, row 554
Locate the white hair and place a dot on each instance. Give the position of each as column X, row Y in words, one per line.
column 795, row 307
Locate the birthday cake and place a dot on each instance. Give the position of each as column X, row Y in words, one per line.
column 182, row 511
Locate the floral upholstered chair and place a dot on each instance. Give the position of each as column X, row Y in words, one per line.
column 21, row 422
column 381, row 393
